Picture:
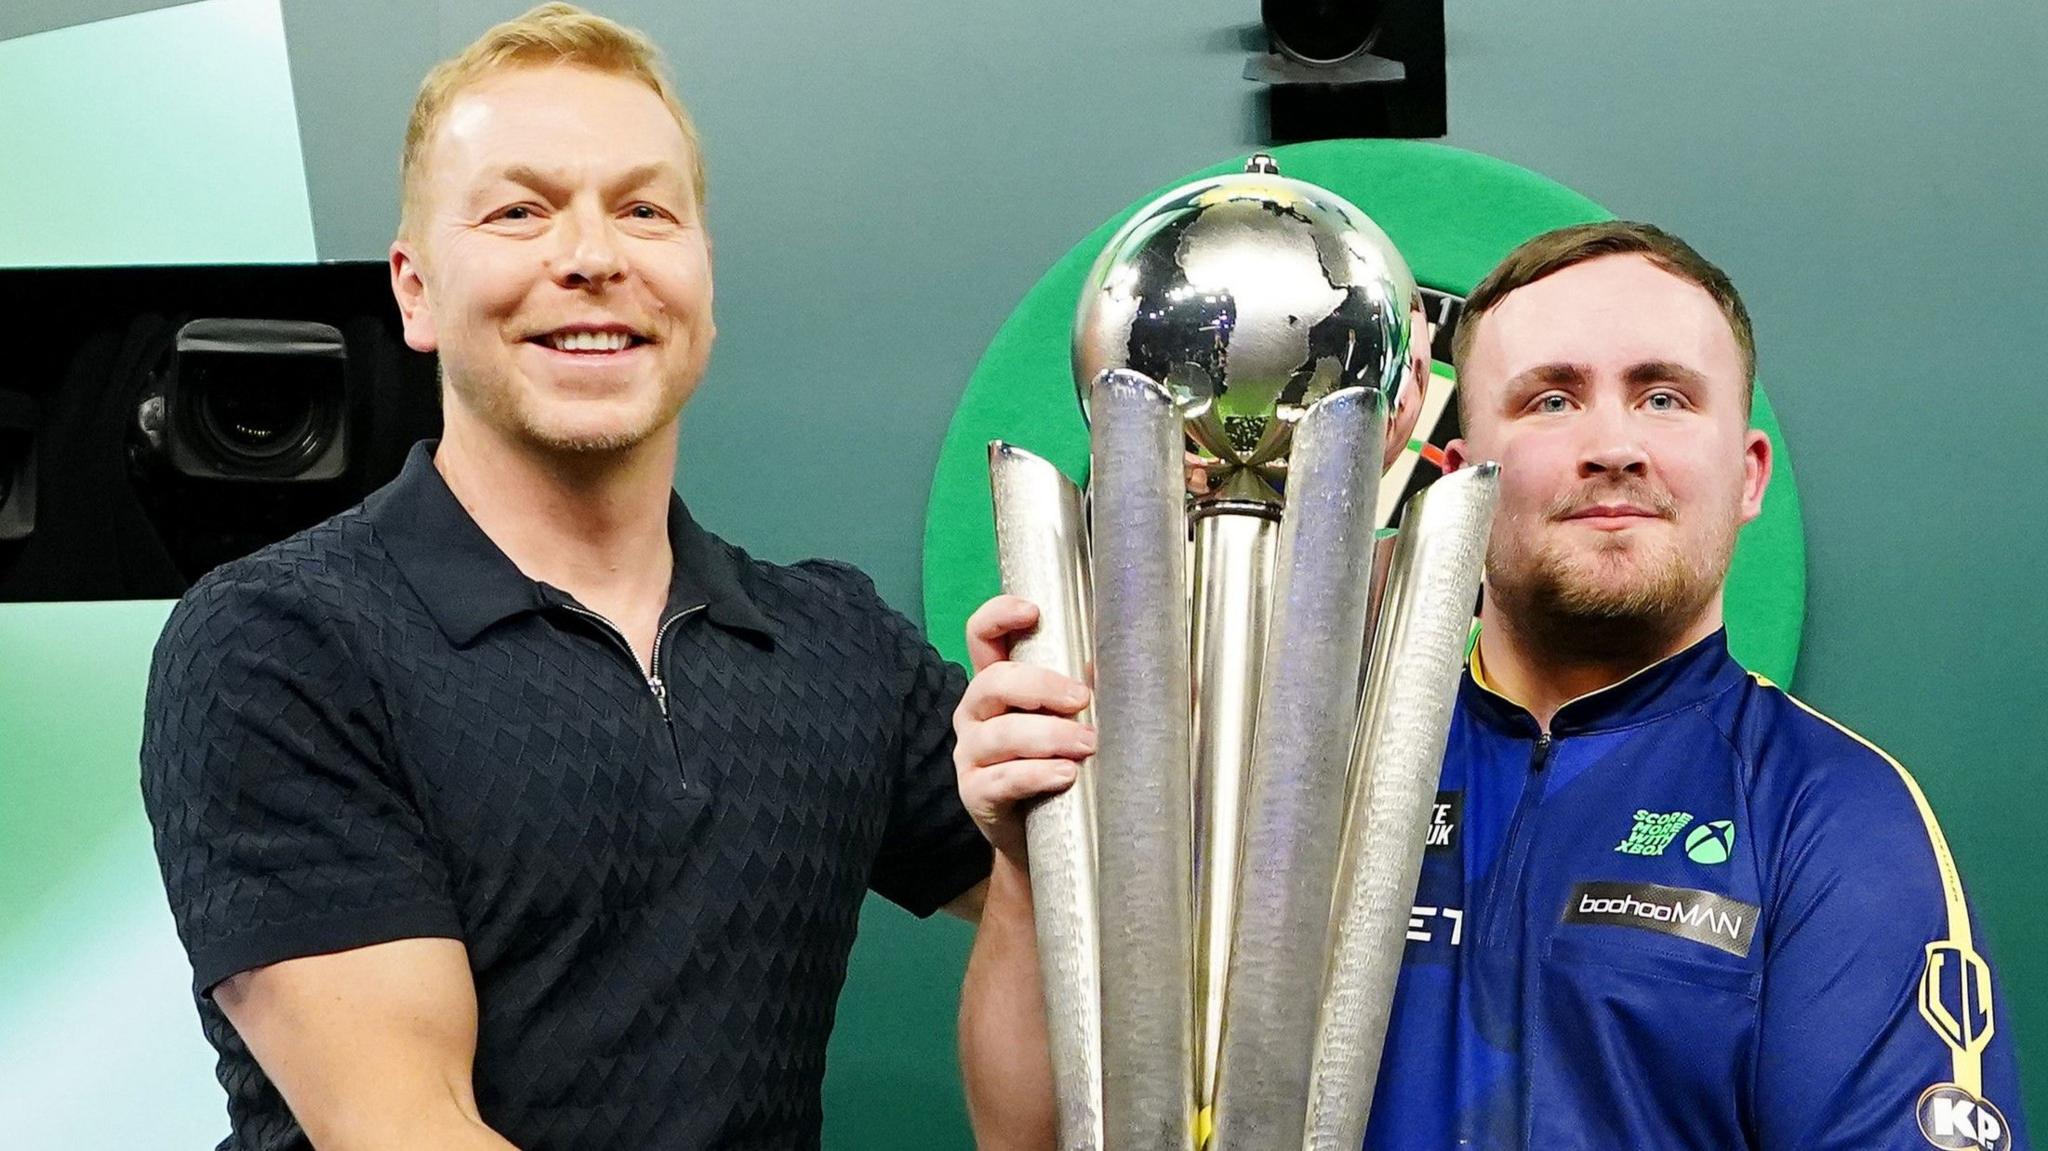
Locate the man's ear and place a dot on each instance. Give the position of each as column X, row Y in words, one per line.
column 409, row 288
column 1455, row 456
column 1756, row 473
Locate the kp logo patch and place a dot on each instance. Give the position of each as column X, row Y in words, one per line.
column 1955, row 997
column 1954, row 1119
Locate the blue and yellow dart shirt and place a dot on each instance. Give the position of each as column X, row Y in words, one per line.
column 1694, row 914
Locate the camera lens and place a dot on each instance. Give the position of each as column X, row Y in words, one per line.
column 1321, row 31
column 263, row 400
column 253, row 419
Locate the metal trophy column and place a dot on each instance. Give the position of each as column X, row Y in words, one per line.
column 1222, row 894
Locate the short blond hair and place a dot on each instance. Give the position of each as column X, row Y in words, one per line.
column 547, row 35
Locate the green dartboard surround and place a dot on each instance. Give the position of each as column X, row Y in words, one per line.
column 1453, row 214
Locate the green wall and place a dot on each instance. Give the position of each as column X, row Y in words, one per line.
column 111, row 153
column 888, row 181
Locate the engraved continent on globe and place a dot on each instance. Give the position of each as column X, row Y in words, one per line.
column 1250, row 297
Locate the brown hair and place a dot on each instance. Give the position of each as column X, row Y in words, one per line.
column 1561, row 248
column 549, row 34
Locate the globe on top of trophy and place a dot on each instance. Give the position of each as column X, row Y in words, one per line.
column 1249, row 296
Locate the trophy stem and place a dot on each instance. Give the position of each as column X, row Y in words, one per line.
column 1382, row 567
column 1293, row 820
column 1143, row 845
column 1233, row 594
column 1042, row 553
column 1418, row 652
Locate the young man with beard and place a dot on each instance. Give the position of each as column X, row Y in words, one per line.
column 512, row 808
column 1670, row 905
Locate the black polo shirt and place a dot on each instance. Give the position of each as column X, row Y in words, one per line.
column 380, row 729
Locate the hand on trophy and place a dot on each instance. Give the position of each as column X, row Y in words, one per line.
column 1017, row 739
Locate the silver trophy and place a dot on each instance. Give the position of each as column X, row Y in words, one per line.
column 1222, row 897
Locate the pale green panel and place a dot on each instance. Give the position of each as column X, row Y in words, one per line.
column 99, row 1039
column 72, row 678
column 166, row 137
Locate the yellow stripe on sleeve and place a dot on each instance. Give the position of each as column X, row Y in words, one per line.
column 1966, row 1042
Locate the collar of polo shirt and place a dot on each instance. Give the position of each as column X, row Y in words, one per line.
column 468, row 583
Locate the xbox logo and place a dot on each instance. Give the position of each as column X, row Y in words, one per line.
column 1711, row 842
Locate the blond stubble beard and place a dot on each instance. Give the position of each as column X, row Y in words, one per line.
column 496, row 406
column 1576, row 608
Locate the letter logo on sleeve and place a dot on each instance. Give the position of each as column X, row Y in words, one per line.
column 1444, row 818
column 1701, row 916
column 1955, row 997
column 1955, row 1120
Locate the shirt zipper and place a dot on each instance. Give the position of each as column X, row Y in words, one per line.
column 654, row 680
column 1508, row 872
column 655, row 686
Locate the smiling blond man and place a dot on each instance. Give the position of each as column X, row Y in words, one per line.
column 512, row 808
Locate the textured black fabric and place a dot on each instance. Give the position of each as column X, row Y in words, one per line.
column 381, row 729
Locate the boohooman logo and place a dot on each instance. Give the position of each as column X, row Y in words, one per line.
column 1701, row 916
